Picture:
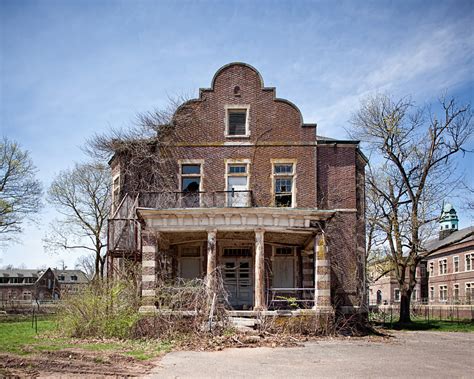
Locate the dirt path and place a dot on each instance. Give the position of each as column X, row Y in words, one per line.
column 407, row 355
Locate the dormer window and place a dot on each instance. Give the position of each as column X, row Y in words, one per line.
column 237, row 121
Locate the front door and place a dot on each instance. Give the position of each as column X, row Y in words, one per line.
column 238, row 277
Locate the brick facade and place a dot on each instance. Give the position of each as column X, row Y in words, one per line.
column 328, row 184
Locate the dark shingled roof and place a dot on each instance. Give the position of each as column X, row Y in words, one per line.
column 459, row 236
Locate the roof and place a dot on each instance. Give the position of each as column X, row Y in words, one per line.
column 459, row 236
column 81, row 276
column 21, row 273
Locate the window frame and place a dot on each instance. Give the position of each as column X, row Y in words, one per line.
column 293, row 176
column 246, row 174
column 396, row 295
column 229, row 108
column 456, row 260
column 431, row 270
column 469, row 257
column 443, row 293
column 199, row 258
column 443, row 266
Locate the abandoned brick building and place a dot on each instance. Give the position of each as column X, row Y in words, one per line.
column 242, row 185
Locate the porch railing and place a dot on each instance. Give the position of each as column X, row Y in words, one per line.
column 290, row 298
column 179, row 200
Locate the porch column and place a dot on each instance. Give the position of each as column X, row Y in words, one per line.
column 149, row 266
column 322, row 274
column 211, row 258
column 259, row 303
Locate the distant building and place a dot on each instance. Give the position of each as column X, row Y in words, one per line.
column 18, row 284
column 445, row 276
column 450, row 262
column 71, row 281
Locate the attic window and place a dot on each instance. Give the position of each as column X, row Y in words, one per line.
column 73, row 278
column 237, row 121
column 237, row 91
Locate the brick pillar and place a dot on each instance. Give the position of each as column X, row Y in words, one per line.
column 259, row 303
column 211, row 258
column 322, row 272
column 149, row 267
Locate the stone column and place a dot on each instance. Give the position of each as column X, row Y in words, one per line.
column 149, row 267
column 211, row 258
column 259, row 303
column 322, row 272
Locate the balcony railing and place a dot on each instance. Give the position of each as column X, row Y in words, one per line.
column 217, row 199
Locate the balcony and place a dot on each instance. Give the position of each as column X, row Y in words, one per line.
column 184, row 200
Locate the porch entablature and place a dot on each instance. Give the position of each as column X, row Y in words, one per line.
column 231, row 218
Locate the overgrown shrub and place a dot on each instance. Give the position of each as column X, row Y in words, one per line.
column 102, row 309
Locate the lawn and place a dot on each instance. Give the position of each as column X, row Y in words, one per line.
column 20, row 338
column 431, row 325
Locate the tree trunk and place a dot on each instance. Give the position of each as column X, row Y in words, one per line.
column 405, row 307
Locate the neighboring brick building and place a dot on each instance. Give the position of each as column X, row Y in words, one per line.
column 450, row 263
column 445, row 276
column 71, row 281
column 254, row 191
column 28, row 285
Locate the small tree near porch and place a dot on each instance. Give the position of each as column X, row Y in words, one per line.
column 415, row 149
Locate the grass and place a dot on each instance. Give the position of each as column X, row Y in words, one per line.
column 18, row 337
column 432, row 325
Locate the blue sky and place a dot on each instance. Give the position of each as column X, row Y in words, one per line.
column 69, row 69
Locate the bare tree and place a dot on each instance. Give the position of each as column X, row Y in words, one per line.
column 86, row 263
column 20, row 191
column 82, row 196
column 416, row 149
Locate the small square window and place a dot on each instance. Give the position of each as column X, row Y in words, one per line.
column 237, row 122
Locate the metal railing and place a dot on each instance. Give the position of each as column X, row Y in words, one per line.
column 183, row 200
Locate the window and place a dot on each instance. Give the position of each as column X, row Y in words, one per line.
column 423, row 271
column 431, row 293
column 469, row 292
column 237, row 123
column 283, row 176
column 431, row 268
column 456, row 264
column 237, row 194
column 397, row 294
column 414, row 295
column 190, row 185
column 74, row 278
column 456, row 292
column 443, row 266
column 61, row 278
column 284, row 251
column 470, row 262
column 237, row 252
column 116, row 190
column 190, row 262
column 443, row 293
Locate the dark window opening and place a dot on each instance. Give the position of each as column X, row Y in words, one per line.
column 283, row 195
column 190, row 169
column 237, row 122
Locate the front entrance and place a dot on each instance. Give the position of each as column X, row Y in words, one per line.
column 237, row 272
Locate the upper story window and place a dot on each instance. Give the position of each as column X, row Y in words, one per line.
column 190, row 183
column 431, row 268
column 470, row 262
column 284, row 184
column 237, row 184
column 456, row 264
column 443, row 266
column 237, row 121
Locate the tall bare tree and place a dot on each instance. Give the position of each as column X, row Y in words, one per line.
column 414, row 170
column 20, row 191
column 82, row 196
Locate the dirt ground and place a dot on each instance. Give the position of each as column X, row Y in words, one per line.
column 406, row 355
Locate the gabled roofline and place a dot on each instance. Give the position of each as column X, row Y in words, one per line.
column 262, row 87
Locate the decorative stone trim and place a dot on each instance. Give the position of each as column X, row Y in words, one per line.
column 148, row 278
column 149, row 249
column 148, row 293
column 148, row 263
